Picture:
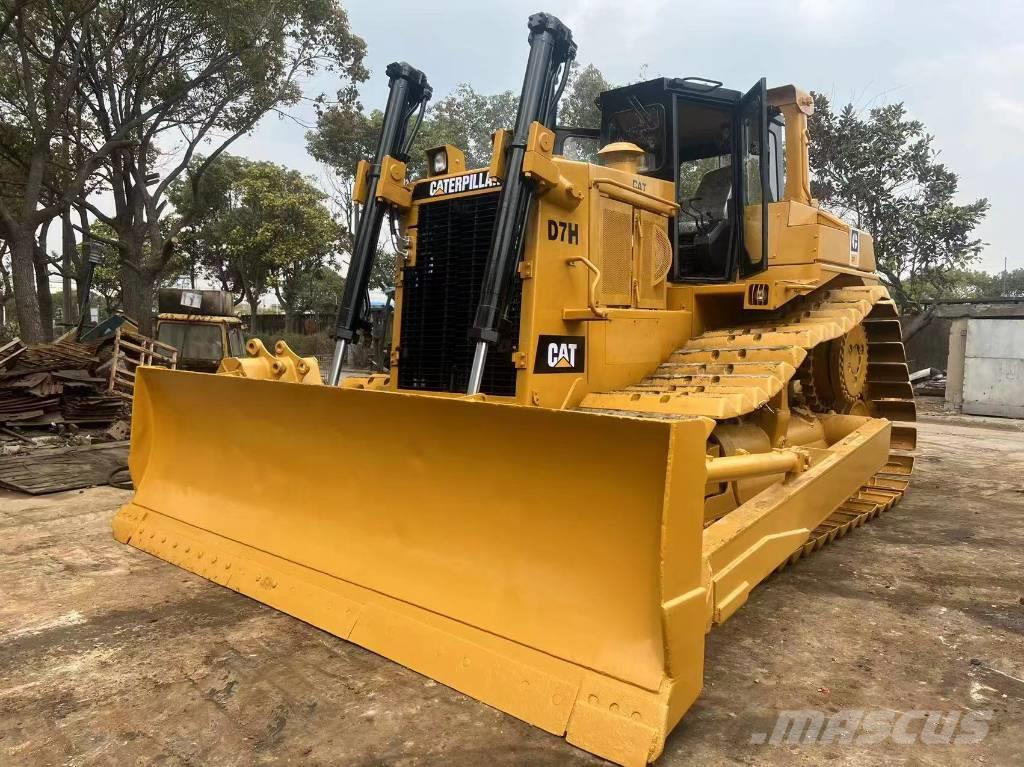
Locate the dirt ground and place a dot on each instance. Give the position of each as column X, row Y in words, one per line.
column 111, row 657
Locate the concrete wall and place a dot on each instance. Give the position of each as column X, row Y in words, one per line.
column 994, row 368
column 929, row 348
column 955, row 368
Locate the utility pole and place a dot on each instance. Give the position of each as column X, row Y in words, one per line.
column 68, row 245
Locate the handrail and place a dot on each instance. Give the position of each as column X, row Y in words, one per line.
column 598, row 311
column 660, row 206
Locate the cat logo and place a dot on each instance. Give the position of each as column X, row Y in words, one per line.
column 560, row 354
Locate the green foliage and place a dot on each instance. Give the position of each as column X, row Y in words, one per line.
column 1009, row 284
column 464, row 118
column 881, row 173
column 579, row 107
column 218, row 64
column 15, row 148
column 382, row 276
column 279, row 213
column 106, row 278
column 263, row 227
column 345, row 134
column 966, row 284
column 318, row 291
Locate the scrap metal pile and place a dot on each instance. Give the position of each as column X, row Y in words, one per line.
column 930, row 382
column 79, row 383
column 54, row 384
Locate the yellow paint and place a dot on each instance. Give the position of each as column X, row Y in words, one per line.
column 211, row 319
column 561, row 553
column 261, row 365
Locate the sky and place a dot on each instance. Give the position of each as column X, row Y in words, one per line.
column 957, row 66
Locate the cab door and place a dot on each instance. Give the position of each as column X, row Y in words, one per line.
column 751, row 178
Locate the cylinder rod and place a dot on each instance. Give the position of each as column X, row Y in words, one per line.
column 476, row 373
column 339, row 355
column 409, row 91
column 734, row 467
column 551, row 47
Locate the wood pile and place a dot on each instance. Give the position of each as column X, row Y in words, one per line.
column 52, row 470
column 69, row 382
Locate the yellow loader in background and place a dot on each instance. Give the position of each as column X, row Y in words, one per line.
column 622, row 394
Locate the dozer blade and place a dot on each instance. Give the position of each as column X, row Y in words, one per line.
column 548, row 563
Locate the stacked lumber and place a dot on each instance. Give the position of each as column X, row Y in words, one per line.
column 71, row 382
column 51, row 470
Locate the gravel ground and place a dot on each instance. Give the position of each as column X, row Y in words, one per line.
column 111, row 657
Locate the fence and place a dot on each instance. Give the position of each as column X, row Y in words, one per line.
column 307, row 325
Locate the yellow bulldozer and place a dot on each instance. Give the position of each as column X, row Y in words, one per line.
column 634, row 371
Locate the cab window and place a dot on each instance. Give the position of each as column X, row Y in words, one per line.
column 581, row 148
column 752, row 157
column 236, row 342
column 643, row 125
column 193, row 341
column 777, row 154
column 692, row 172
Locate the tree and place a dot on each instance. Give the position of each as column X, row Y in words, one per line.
column 881, row 173
column 6, row 287
column 45, row 50
column 1010, row 284
column 345, row 134
column 38, row 80
column 106, row 278
column 306, row 239
column 966, row 284
column 245, row 58
column 466, row 119
column 263, row 228
column 317, row 292
column 579, row 107
column 382, row 275
column 71, row 264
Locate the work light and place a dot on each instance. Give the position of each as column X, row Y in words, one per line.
column 438, row 162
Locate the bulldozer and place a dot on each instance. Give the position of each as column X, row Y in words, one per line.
column 635, row 370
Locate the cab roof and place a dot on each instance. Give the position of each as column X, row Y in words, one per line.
column 209, row 318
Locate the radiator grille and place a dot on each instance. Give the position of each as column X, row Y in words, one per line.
column 654, row 262
column 616, row 254
column 439, row 299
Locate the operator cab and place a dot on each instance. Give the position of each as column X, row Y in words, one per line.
column 722, row 150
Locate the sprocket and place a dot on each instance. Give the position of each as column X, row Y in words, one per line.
column 834, row 375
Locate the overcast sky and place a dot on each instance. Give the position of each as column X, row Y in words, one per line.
column 958, row 67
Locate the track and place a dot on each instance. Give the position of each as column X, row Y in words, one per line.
column 731, row 372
